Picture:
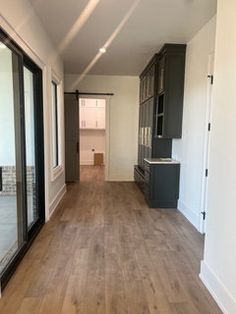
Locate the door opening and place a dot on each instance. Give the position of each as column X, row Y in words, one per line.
column 93, row 137
column 206, row 156
column 86, row 134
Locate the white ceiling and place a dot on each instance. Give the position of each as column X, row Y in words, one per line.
column 152, row 23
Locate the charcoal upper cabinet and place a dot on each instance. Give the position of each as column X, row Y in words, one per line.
column 160, row 120
column 161, row 74
column 161, row 102
column 145, row 131
column 147, row 83
column 170, row 91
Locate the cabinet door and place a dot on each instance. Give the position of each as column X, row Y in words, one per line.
column 144, row 88
column 146, row 114
column 87, row 113
column 140, row 135
column 100, row 103
column 87, row 102
column 141, row 91
column 142, row 120
column 161, row 75
column 150, row 126
column 82, row 117
column 174, row 94
column 152, row 77
column 148, row 84
column 100, row 118
column 90, row 119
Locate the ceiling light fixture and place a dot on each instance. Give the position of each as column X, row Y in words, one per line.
column 103, row 50
column 2, row 46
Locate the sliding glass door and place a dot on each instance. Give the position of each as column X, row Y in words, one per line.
column 11, row 180
column 21, row 155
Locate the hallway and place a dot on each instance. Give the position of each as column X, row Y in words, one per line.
column 105, row 251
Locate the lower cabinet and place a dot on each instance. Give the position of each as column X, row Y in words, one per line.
column 159, row 183
column 139, row 177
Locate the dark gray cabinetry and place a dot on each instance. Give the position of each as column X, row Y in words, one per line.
column 139, row 177
column 170, row 91
column 160, row 113
column 161, row 103
column 145, row 131
column 147, row 83
column 161, row 184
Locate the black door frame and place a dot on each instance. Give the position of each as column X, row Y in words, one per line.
column 21, row 60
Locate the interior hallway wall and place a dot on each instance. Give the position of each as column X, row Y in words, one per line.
column 189, row 149
column 219, row 266
column 123, row 119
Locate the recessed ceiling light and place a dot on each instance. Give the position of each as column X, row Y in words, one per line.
column 2, row 46
column 102, row 50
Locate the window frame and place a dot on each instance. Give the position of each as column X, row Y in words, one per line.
column 58, row 168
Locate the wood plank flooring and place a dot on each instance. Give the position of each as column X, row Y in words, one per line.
column 106, row 252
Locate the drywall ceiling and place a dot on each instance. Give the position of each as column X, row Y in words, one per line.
column 136, row 30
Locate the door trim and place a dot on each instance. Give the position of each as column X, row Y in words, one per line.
column 206, row 151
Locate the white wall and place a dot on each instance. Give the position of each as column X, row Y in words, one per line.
column 219, row 266
column 123, row 119
column 20, row 21
column 89, row 140
column 189, row 149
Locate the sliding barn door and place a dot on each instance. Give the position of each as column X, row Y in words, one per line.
column 72, row 161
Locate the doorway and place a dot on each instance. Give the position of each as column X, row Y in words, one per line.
column 92, row 132
column 21, row 155
column 74, row 125
column 206, row 154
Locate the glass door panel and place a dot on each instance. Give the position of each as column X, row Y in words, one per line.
column 11, row 234
column 32, row 213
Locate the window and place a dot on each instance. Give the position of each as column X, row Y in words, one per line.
column 57, row 161
column 55, row 151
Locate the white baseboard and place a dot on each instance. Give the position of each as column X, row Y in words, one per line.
column 189, row 214
column 86, row 162
column 219, row 292
column 119, row 177
column 53, row 205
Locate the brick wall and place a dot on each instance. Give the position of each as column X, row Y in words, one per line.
column 9, row 180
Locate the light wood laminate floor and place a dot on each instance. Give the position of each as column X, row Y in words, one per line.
column 105, row 251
